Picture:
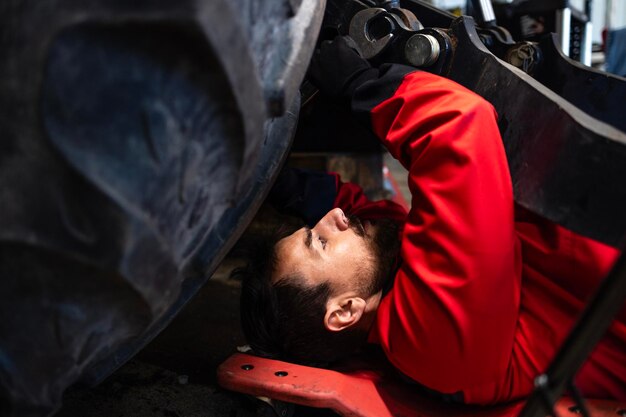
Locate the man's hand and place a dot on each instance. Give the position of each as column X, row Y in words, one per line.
column 337, row 68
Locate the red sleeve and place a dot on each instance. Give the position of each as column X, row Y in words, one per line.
column 351, row 199
column 450, row 319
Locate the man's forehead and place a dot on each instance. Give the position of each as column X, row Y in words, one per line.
column 300, row 236
column 288, row 241
column 289, row 250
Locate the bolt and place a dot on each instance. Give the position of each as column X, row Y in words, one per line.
column 523, row 57
column 422, row 50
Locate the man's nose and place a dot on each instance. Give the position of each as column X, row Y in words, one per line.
column 334, row 221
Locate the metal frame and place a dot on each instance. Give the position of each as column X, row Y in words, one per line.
column 564, row 27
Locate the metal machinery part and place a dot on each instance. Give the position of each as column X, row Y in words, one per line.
column 363, row 32
column 525, row 56
column 530, row 19
column 373, row 28
column 597, row 93
column 138, row 139
column 422, row 50
column 485, row 9
column 566, row 166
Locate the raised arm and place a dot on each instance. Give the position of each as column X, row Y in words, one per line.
column 449, row 321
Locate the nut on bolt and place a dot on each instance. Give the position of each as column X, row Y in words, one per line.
column 422, row 50
column 524, row 56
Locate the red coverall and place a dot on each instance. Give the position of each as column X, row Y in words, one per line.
column 486, row 291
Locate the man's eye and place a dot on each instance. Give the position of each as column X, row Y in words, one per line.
column 322, row 241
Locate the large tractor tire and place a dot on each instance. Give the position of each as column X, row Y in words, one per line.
column 137, row 140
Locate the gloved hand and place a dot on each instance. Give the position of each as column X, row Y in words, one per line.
column 337, row 68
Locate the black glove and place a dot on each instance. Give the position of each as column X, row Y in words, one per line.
column 337, row 68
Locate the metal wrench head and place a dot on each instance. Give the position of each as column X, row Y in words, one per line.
column 406, row 19
column 373, row 29
column 361, row 30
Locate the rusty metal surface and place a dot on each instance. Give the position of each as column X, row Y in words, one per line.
column 565, row 165
column 137, row 139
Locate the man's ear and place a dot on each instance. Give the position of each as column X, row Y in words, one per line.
column 343, row 312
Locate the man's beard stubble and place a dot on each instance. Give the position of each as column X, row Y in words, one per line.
column 385, row 245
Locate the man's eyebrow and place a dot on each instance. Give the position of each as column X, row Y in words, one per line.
column 309, row 237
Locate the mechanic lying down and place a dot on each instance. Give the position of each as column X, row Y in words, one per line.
column 467, row 295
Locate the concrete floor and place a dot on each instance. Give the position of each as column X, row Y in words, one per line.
column 142, row 389
column 174, row 376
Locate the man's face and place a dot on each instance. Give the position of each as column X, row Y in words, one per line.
column 337, row 249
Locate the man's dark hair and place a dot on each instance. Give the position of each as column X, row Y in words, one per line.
column 285, row 320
